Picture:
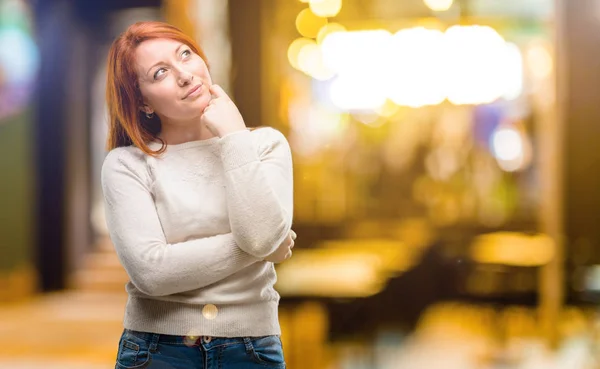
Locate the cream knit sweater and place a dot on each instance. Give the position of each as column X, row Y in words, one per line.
column 192, row 228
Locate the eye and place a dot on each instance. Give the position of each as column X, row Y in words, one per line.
column 186, row 53
column 158, row 72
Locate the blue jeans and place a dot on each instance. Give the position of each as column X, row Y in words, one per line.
column 160, row 351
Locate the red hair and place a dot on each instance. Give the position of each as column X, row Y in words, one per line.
column 128, row 124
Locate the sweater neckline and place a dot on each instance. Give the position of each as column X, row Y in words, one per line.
column 154, row 145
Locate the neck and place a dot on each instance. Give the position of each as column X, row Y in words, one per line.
column 174, row 133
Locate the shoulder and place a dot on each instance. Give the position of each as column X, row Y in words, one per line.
column 123, row 155
column 130, row 159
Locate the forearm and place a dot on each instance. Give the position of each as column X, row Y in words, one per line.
column 159, row 269
column 258, row 220
column 259, row 193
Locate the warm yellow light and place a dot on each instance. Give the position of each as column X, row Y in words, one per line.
column 328, row 29
column 294, row 51
column 314, row 126
column 361, row 80
column 389, row 109
column 361, row 94
column 510, row 248
column 539, row 61
column 415, row 67
column 358, row 52
column 308, row 58
column 304, row 1
column 310, row 61
column 308, row 24
column 438, row 5
column 326, row 8
column 392, row 257
column 322, row 273
column 478, row 65
column 369, row 118
column 513, row 71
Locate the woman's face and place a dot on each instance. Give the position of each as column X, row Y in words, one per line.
column 174, row 81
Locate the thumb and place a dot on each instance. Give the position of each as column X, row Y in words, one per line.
column 217, row 91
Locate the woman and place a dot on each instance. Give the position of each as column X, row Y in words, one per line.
column 198, row 208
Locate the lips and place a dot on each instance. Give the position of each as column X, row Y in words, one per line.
column 194, row 89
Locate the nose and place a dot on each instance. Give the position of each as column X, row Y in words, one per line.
column 184, row 78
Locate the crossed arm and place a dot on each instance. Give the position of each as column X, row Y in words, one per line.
column 254, row 185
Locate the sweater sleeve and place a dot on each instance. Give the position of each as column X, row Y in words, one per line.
column 259, row 188
column 155, row 267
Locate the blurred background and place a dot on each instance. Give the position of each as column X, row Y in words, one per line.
column 446, row 163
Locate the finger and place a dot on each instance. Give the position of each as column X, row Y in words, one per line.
column 217, row 91
column 292, row 244
column 294, row 235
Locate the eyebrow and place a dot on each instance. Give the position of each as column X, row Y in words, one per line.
column 161, row 62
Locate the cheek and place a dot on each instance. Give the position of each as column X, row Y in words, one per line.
column 208, row 78
column 157, row 95
column 157, row 98
column 202, row 71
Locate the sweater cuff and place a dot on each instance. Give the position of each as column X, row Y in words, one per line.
column 237, row 149
column 240, row 257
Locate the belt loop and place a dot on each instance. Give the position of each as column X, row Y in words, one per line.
column 248, row 344
column 154, row 342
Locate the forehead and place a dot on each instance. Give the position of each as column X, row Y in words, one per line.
column 152, row 51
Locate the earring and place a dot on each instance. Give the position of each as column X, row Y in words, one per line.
column 149, row 115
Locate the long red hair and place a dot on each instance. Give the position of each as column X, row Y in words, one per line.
column 129, row 125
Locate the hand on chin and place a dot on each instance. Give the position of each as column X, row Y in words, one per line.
column 221, row 116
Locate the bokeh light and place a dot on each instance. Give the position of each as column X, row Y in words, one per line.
column 328, row 29
column 476, row 60
column 210, row 311
column 326, row 8
column 415, row 69
column 310, row 61
column 361, row 77
column 438, row 5
column 19, row 57
column 513, row 249
column 539, row 61
column 511, row 148
column 513, row 72
column 294, row 49
column 507, row 144
column 308, row 24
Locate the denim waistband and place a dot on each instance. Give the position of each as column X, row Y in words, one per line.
column 206, row 341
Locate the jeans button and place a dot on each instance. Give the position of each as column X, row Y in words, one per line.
column 207, row 339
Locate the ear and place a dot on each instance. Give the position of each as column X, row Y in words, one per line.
column 146, row 109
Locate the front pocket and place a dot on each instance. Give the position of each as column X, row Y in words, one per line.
column 132, row 355
column 268, row 351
